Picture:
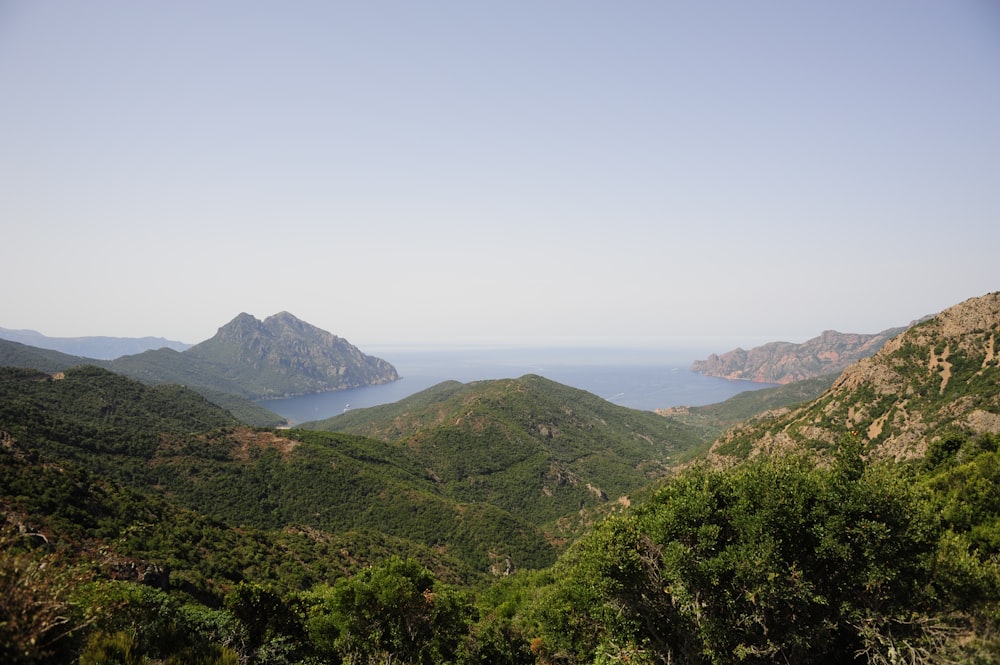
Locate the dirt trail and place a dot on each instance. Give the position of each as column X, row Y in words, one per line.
column 941, row 362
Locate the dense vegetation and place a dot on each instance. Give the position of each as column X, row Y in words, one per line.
column 780, row 561
column 536, row 448
column 14, row 354
column 771, row 561
column 170, row 440
column 143, row 525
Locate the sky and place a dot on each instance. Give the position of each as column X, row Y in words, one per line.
column 539, row 172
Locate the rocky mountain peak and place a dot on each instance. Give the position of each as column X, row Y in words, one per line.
column 241, row 327
column 285, row 320
column 284, row 350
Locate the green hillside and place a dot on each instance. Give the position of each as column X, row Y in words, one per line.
column 195, row 455
column 280, row 356
column 536, row 448
column 141, row 525
column 16, row 354
column 861, row 526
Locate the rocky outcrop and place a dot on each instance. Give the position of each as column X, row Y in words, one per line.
column 787, row 362
column 939, row 377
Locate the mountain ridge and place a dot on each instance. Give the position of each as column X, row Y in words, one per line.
column 787, row 362
column 100, row 347
column 840, row 537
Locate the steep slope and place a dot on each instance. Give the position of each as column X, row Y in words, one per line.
column 786, row 362
column 536, row 448
column 940, row 377
column 281, row 356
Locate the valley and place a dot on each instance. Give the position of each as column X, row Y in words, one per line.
column 507, row 520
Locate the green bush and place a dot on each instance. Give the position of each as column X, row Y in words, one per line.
column 772, row 561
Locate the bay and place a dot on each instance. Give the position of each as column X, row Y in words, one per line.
column 645, row 379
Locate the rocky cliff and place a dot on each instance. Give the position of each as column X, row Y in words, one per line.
column 940, row 378
column 787, row 362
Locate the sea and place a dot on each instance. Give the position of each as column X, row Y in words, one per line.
column 646, row 379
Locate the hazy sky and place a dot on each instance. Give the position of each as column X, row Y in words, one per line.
column 543, row 171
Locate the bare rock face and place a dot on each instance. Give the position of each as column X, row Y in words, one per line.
column 786, row 362
column 141, row 572
column 940, row 376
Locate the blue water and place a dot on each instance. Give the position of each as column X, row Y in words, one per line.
column 638, row 379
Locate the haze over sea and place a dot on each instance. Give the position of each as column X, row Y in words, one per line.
column 644, row 379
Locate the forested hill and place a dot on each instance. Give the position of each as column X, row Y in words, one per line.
column 535, row 447
column 198, row 457
column 17, row 355
column 787, row 362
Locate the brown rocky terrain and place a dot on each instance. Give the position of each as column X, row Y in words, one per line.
column 788, row 362
column 938, row 378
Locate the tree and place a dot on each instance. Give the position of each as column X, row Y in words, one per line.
column 397, row 613
column 271, row 631
column 772, row 561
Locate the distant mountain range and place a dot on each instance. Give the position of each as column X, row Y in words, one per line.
column 247, row 359
column 786, row 362
column 102, row 348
